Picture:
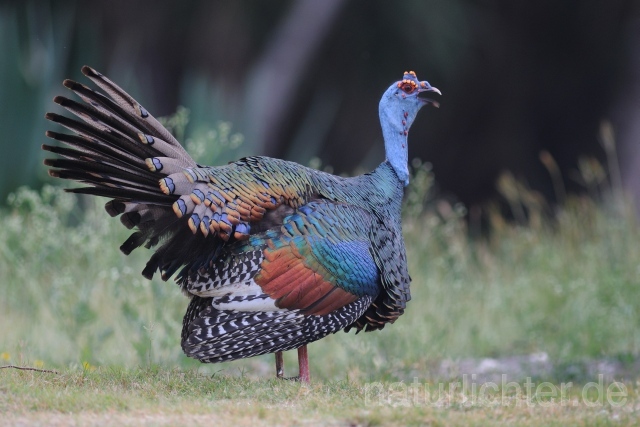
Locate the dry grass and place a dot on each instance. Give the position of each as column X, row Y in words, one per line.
column 157, row 396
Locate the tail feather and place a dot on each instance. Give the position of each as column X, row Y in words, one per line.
column 106, row 171
column 102, row 103
column 110, row 108
column 92, row 148
column 96, row 118
column 134, row 241
column 122, row 152
column 92, row 133
column 120, row 193
column 143, row 118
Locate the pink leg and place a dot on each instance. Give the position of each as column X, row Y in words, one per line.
column 279, row 365
column 303, row 362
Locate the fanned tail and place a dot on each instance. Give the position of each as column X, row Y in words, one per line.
column 118, row 151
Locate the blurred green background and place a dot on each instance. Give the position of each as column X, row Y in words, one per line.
column 302, row 79
column 536, row 140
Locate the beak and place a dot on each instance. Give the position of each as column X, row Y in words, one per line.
column 426, row 87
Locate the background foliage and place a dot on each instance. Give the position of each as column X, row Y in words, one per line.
column 302, row 79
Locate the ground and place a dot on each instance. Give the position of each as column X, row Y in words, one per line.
column 157, row 396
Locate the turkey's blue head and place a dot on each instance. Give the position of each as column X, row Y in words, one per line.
column 398, row 108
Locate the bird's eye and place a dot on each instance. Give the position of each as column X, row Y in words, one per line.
column 408, row 88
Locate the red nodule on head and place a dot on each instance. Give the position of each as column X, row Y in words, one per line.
column 410, row 84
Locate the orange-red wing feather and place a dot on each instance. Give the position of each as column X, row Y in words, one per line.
column 294, row 284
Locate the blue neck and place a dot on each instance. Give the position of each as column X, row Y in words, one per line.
column 395, row 143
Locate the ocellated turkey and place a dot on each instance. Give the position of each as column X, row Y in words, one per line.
column 273, row 255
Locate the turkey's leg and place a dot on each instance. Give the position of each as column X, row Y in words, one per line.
column 279, row 365
column 303, row 363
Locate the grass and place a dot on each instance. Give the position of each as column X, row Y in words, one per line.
column 161, row 396
column 569, row 289
column 563, row 284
